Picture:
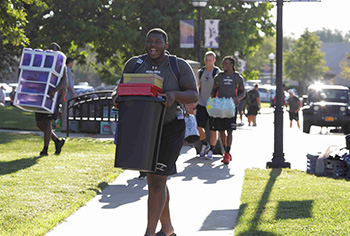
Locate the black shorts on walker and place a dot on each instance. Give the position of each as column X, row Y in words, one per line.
column 46, row 116
column 293, row 115
column 172, row 139
column 202, row 116
column 252, row 110
column 221, row 124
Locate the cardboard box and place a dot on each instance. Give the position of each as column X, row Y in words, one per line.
column 105, row 128
column 144, row 78
column 138, row 90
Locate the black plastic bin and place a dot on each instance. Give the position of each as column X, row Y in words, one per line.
column 140, row 123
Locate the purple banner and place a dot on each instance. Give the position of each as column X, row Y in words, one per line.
column 186, row 33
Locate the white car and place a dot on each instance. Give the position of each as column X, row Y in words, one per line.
column 266, row 93
column 7, row 91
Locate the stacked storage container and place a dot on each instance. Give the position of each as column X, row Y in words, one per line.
column 140, row 122
column 41, row 72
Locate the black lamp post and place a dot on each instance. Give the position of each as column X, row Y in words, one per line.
column 278, row 160
column 272, row 57
column 199, row 4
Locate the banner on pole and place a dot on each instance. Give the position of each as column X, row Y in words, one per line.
column 211, row 34
column 186, row 33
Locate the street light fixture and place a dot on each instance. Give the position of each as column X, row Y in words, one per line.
column 199, row 4
column 271, row 57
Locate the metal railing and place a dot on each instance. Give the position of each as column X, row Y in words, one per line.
column 93, row 107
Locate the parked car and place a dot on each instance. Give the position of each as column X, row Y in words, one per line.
column 326, row 105
column 7, row 91
column 251, row 83
column 266, row 92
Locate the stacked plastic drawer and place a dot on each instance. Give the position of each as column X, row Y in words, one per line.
column 41, row 72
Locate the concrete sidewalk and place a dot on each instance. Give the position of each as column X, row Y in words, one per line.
column 205, row 195
column 205, row 198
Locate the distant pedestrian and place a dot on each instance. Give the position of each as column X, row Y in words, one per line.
column 12, row 95
column 294, row 104
column 241, row 109
column 227, row 84
column 44, row 120
column 70, row 92
column 2, row 96
column 253, row 104
column 206, row 81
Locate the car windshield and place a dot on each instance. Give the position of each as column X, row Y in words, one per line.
column 328, row 95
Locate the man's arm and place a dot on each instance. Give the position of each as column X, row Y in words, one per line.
column 188, row 87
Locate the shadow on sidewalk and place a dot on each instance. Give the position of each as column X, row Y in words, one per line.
column 205, row 170
column 118, row 195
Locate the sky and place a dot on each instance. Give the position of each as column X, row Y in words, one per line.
column 329, row 14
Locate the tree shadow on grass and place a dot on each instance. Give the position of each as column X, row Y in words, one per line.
column 9, row 167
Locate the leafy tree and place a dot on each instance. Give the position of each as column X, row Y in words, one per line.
column 260, row 57
column 345, row 67
column 305, row 62
column 115, row 29
column 328, row 36
column 12, row 36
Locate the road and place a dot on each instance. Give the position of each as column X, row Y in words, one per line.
column 250, row 142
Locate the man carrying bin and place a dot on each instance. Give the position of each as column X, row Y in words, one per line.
column 181, row 88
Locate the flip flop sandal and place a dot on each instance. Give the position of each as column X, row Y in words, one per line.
column 161, row 233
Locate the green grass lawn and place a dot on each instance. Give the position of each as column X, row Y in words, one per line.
column 15, row 118
column 39, row 192
column 290, row 202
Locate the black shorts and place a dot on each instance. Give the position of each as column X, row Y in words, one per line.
column 241, row 105
column 293, row 116
column 252, row 110
column 202, row 116
column 221, row 124
column 172, row 140
column 46, row 116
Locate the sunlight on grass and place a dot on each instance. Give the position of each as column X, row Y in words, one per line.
column 290, row 202
column 39, row 192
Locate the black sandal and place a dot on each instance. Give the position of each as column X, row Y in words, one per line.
column 161, row 233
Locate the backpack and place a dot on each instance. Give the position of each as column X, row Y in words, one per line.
column 174, row 69
column 215, row 71
column 251, row 98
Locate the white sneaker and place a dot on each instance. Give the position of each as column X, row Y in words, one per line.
column 209, row 155
column 205, row 149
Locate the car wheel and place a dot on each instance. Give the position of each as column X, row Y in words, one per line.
column 306, row 127
column 346, row 128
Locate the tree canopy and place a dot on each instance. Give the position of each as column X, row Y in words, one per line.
column 304, row 62
column 115, row 29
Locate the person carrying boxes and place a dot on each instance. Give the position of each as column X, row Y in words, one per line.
column 44, row 120
column 179, row 87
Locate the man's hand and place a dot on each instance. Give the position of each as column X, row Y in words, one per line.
column 52, row 94
column 169, row 98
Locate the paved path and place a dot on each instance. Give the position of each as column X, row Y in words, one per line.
column 205, row 195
